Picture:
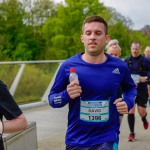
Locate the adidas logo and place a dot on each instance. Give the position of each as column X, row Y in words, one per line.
column 116, row 71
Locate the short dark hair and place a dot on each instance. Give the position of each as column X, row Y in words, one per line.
column 95, row 18
column 137, row 43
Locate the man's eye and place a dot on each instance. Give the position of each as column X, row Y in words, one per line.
column 88, row 33
column 98, row 33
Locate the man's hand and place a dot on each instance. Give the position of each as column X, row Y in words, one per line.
column 74, row 89
column 143, row 79
column 121, row 106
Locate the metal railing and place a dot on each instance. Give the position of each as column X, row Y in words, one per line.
column 21, row 70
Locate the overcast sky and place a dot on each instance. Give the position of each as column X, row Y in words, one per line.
column 137, row 10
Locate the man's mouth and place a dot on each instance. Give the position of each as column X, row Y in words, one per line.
column 92, row 44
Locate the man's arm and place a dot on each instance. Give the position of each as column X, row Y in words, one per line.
column 14, row 118
column 58, row 95
column 14, row 125
column 128, row 87
column 145, row 79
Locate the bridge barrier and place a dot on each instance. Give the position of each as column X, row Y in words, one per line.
column 23, row 140
column 36, row 78
column 26, row 139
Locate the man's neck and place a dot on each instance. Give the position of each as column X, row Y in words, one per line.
column 99, row 59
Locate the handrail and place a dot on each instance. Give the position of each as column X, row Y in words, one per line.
column 30, row 62
column 22, row 64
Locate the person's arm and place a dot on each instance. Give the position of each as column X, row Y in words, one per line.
column 128, row 89
column 58, row 96
column 58, row 100
column 145, row 79
column 14, row 118
column 129, row 96
column 148, row 79
column 63, row 91
column 17, row 124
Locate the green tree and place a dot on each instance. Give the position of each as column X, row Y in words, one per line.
column 62, row 32
column 11, row 19
column 41, row 29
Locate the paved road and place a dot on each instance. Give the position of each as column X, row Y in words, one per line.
column 51, row 127
column 142, row 137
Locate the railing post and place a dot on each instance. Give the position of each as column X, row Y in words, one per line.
column 16, row 80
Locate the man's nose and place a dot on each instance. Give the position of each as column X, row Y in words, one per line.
column 93, row 36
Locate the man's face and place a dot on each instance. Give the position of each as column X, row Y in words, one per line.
column 135, row 49
column 94, row 38
column 114, row 51
column 147, row 52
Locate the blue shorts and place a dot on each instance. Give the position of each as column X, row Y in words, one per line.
column 104, row 146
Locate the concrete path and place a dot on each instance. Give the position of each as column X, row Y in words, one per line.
column 52, row 123
column 51, row 126
column 142, row 136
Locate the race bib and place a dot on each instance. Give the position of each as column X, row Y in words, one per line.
column 94, row 111
column 136, row 78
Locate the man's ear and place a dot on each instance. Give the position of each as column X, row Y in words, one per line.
column 81, row 37
column 107, row 38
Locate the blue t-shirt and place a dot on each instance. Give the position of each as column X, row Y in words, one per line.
column 93, row 118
